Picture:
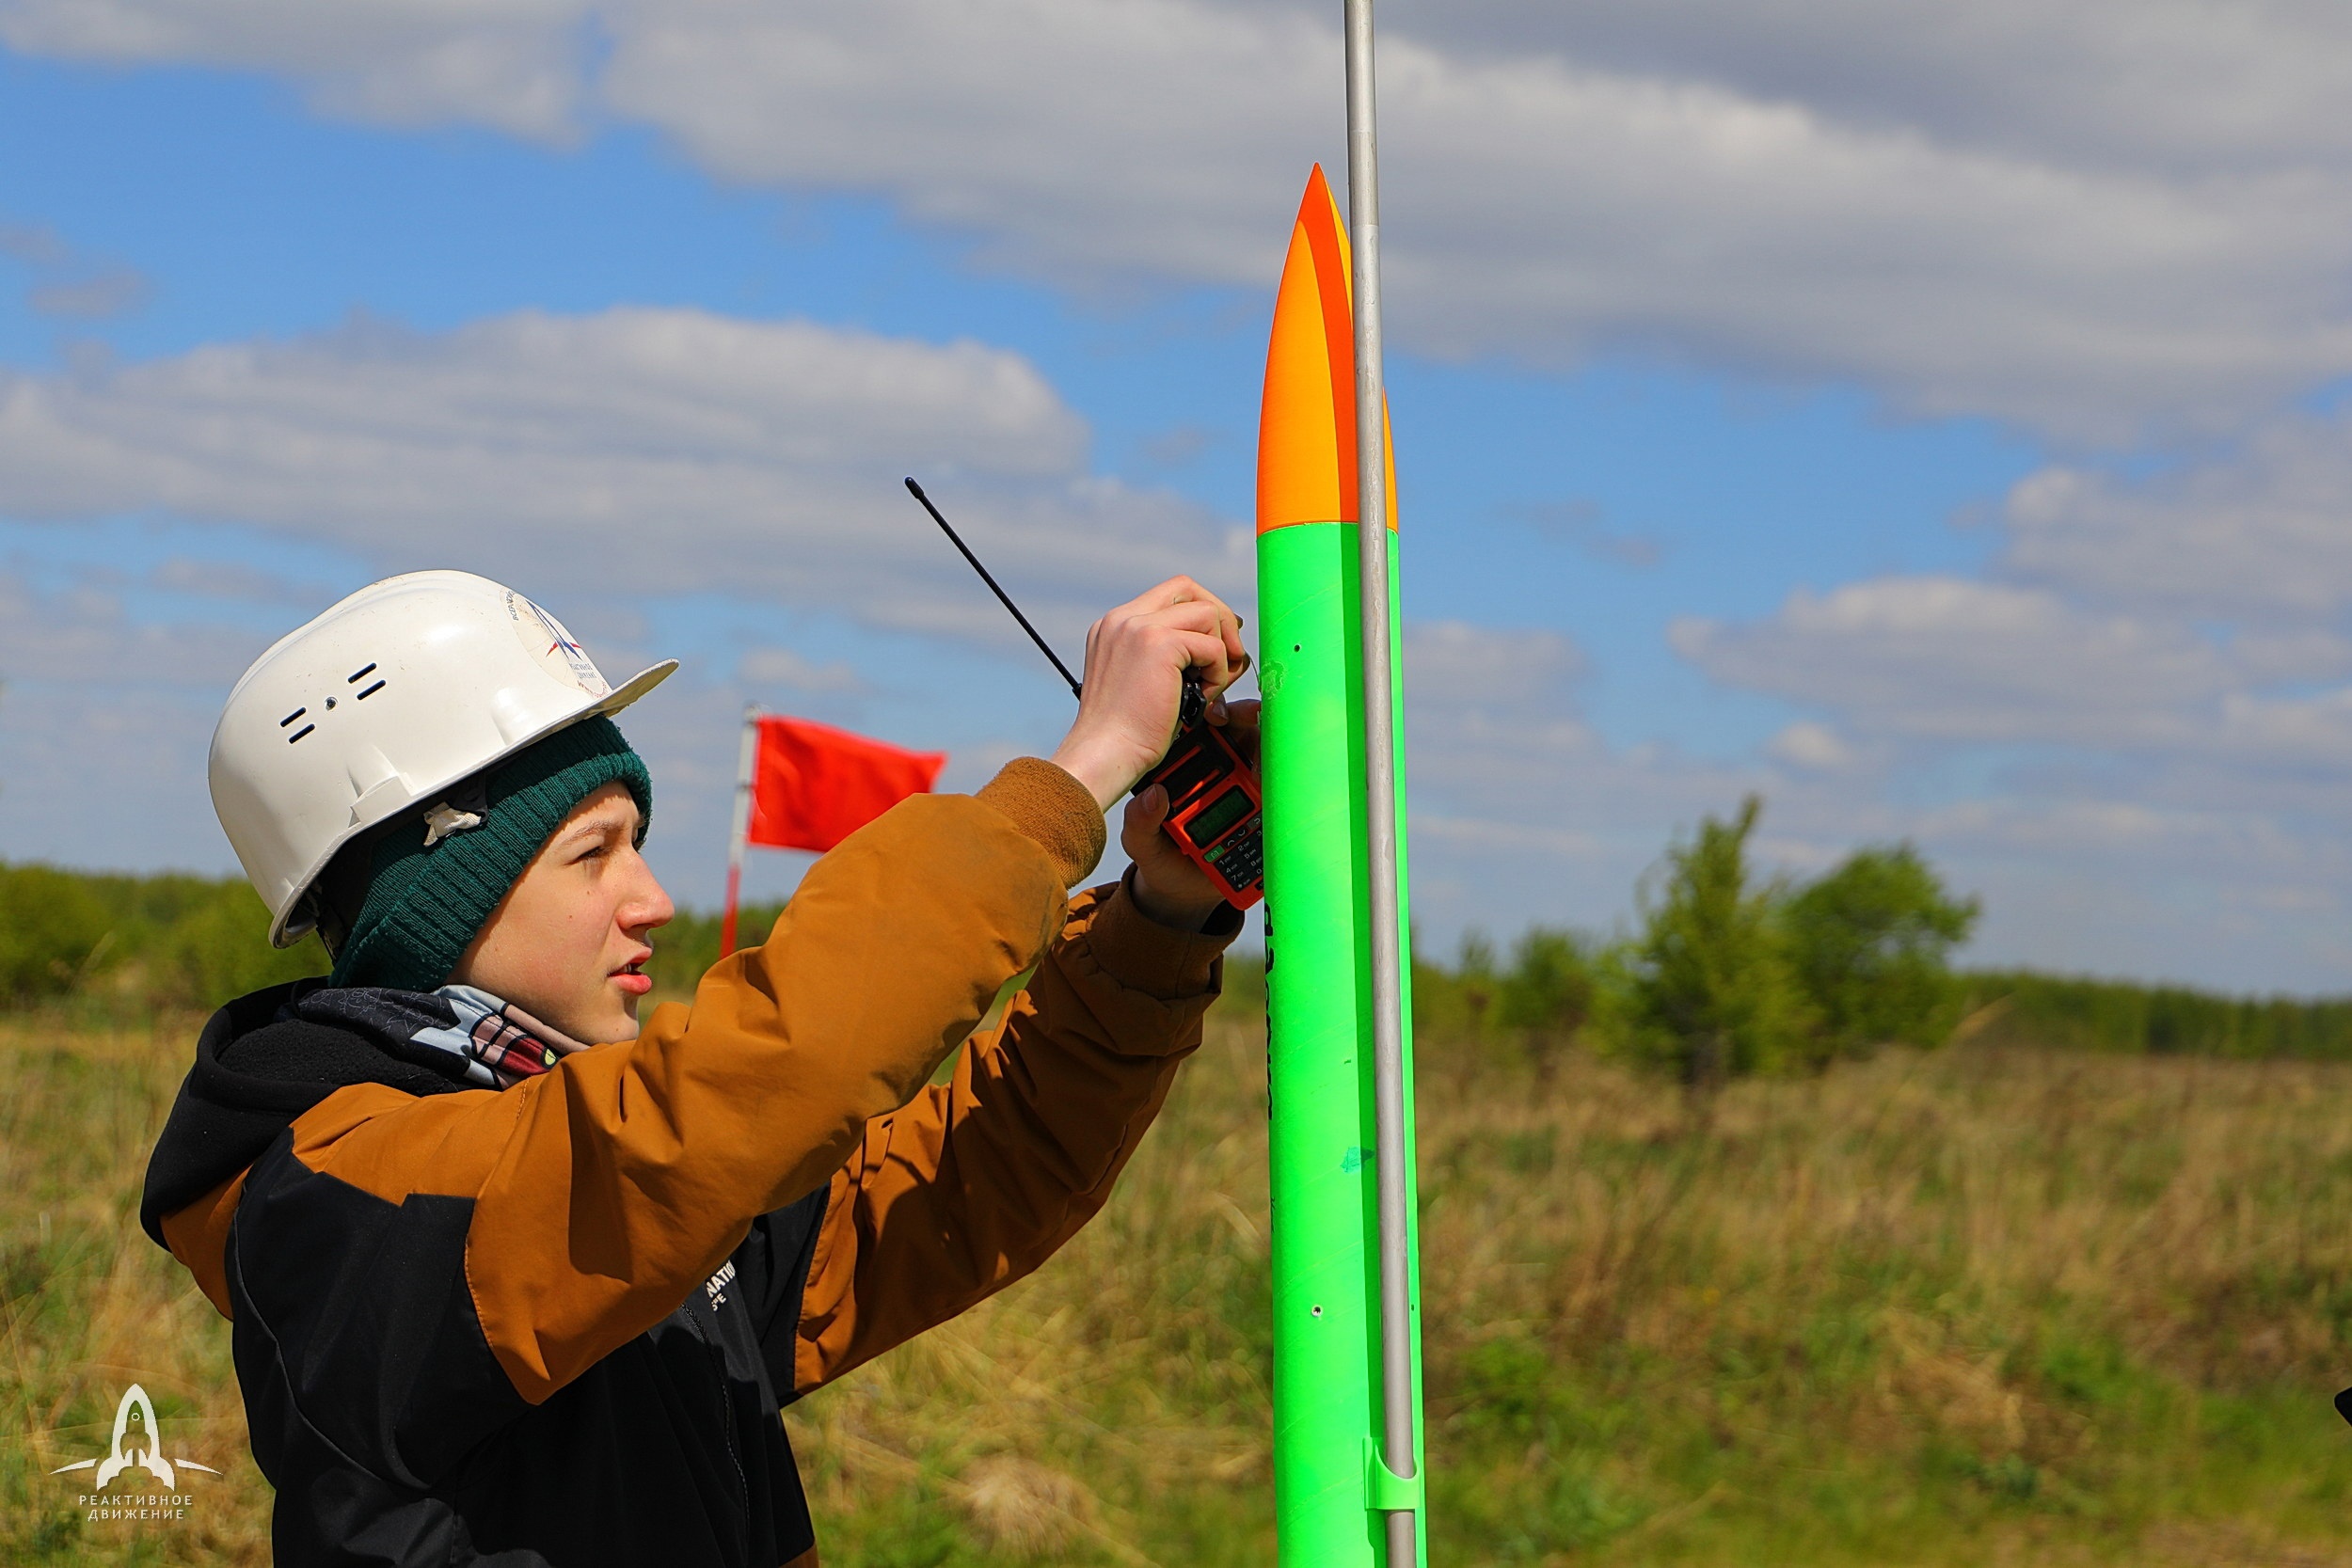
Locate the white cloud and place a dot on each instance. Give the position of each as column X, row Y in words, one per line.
column 1981, row 213
column 1519, row 809
column 2129, row 787
column 1947, row 660
column 1956, row 660
column 2101, row 219
column 514, row 64
column 615, row 463
column 112, row 779
column 2188, row 618
column 1524, row 804
column 231, row 581
column 1814, row 748
column 1086, row 140
column 1491, row 719
column 2175, row 86
column 71, row 283
column 1537, row 207
column 104, row 718
column 82, row 636
column 1452, row 666
column 2305, row 730
column 799, row 673
column 2260, row 530
column 635, row 451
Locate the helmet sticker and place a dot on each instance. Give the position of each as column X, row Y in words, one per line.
column 553, row 647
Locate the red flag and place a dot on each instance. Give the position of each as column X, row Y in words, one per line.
column 813, row 785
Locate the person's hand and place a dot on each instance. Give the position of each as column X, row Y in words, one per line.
column 1167, row 886
column 1136, row 657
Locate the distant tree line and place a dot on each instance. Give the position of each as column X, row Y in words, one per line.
column 687, row 946
column 1726, row 973
column 1722, row 974
column 143, row 943
column 2022, row 1007
column 117, row 943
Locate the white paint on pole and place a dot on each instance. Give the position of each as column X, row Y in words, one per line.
column 740, row 829
column 738, row 833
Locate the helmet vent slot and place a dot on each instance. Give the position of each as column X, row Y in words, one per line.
column 292, row 717
column 300, row 732
column 369, row 691
column 362, row 672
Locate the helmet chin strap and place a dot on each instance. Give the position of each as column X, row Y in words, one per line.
column 336, row 899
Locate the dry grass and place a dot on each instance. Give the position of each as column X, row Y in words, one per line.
column 1933, row 1308
column 1969, row 1308
column 88, row 1305
column 1963, row 1307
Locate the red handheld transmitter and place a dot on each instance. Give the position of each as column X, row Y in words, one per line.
column 1214, row 802
column 1214, row 797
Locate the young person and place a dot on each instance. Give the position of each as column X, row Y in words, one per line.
column 514, row 1281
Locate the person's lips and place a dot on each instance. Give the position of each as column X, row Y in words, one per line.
column 631, row 976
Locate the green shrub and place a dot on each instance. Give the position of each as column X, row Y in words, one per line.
column 1709, row 990
column 1550, row 984
column 688, row 944
column 169, row 941
column 217, row 949
column 1453, row 1004
column 53, row 931
column 1548, row 992
column 1870, row 943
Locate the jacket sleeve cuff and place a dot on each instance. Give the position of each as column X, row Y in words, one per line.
column 1054, row 809
column 1158, row 960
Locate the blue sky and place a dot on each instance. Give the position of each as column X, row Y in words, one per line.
column 2005, row 522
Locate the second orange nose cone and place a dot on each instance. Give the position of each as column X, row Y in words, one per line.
column 1307, row 425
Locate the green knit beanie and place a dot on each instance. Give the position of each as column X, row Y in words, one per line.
column 425, row 905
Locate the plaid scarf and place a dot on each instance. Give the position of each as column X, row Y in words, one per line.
column 458, row 1031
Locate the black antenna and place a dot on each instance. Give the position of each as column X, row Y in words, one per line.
column 916, row 491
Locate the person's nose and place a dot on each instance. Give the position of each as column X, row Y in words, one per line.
column 649, row 904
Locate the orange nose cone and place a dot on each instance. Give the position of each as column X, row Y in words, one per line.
column 1306, row 426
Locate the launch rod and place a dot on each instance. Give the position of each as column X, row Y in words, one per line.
column 1387, row 997
column 1002, row 597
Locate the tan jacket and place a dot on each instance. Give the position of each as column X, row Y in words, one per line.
column 598, row 1196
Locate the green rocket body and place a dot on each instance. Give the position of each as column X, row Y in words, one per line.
column 1327, row 1328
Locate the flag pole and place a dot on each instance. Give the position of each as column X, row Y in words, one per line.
column 1398, row 1415
column 740, row 833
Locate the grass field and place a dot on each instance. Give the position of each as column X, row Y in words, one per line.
column 1982, row 1305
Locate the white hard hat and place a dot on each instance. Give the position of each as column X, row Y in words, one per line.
column 405, row 687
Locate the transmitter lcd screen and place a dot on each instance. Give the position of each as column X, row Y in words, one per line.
column 1228, row 809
